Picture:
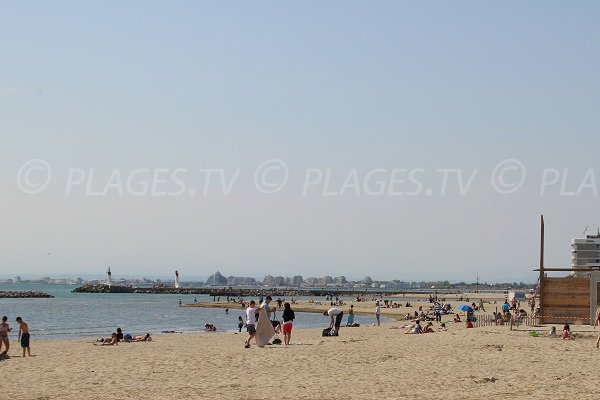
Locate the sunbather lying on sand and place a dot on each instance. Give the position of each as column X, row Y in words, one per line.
column 113, row 341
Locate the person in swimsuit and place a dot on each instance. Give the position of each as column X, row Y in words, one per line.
column 24, row 336
column 4, row 329
column 113, row 341
column 566, row 333
column 288, row 319
column 350, row 321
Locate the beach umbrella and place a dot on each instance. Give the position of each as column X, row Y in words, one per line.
column 465, row 307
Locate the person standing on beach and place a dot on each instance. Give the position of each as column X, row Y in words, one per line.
column 288, row 317
column 4, row 329
column 24, row 336
column 505, row 307
column 597, row 323
column 250, row 322
column 350, row 321
column 240, row 323
column 378, row 313
column 265, row 306
column 437, row 309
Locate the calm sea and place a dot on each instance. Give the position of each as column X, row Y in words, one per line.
column 75, row 315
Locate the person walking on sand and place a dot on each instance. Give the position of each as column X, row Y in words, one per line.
column 24, row 336
column 288, row 317
column 250, row 322
column 378, row 313
column 4, row 329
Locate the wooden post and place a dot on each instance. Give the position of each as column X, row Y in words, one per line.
column 541, row 265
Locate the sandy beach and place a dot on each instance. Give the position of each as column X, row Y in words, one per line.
column 361, row 362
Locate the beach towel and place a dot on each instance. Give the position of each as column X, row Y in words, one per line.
column 264, row 329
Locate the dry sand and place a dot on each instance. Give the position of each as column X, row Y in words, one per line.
column 362, row 362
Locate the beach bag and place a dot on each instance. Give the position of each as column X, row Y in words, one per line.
column 276, row 341
column 329, row 332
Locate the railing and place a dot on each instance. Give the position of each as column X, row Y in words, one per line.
column 490, row 320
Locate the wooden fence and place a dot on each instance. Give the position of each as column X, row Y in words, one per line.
column 565, row 300
column 490, row 320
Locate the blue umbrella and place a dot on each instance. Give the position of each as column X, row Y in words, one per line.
column 464, row 307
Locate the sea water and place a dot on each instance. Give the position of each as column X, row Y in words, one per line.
column 77, row 315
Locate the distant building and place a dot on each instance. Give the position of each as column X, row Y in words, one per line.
column 585, row 253
column 216, row 279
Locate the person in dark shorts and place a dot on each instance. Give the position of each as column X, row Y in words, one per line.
column 335, row 318
column 250, row 323
column 24, row 336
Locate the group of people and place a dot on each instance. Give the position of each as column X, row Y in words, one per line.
column 252, row 317
column 118, row 336
column 419, row 329
column 23, row 337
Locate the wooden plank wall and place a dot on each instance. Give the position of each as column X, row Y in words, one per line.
column 565, row 300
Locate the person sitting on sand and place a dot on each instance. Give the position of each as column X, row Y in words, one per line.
column 442, row 327
column 428, row 328
column 416, row 330
column 552, row 332
column 210, row 328
column 456, row 318
column 566, row 333
column 470, row 324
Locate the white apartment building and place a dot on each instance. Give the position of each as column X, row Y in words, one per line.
column 585, row 253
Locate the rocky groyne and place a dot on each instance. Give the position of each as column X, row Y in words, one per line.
column 224, row 292
column 23, row 294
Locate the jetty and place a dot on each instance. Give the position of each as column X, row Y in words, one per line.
column 22, row 294
column 232, row 292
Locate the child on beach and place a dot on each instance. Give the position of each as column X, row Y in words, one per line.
column 24, row 336
column 552, row 332
column 4, row 329
column 240, row 323
column 566, row 333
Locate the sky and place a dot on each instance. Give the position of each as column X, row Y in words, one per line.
column 398, row 140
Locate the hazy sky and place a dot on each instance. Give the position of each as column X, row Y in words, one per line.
column 382, row 131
